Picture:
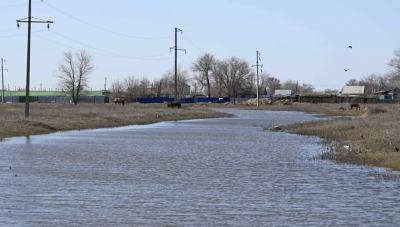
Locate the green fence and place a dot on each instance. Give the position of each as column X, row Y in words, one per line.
column 31, row 98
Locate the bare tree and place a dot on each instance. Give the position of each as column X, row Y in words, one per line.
column 352, row 82
column 169, row 80
column 73, row 74
column 307, row 88
column 263, row 85
column 272, row 84
column 373, row 82
column 203, row 65
column 393, row 80
column 131, row 85
column 291, row 85
column 157, row 84
column 218, row 81
column 250, row 85
column 117, row 88
column 394, row 67
column 144, row 83
column 394, row 63
column 235, row 72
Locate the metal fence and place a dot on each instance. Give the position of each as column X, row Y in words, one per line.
column 10, row 99
column 183, row 100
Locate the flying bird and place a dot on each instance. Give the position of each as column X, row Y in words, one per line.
column 350, row 47
column 346, row 70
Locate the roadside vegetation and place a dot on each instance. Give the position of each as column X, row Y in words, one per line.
column 370, row 136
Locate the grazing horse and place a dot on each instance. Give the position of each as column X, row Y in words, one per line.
column 356, row 105
column 169, row 104
column 174, row 104
column 119, row 100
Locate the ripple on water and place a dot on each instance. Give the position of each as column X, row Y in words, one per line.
column 189, row 173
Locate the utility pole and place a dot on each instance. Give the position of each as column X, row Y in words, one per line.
column 105, row 84
column 258, row 58
column 176, row 62
column 2, row 80
column 195, row 93
column 28, row 61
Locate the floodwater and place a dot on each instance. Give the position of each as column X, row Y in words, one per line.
column 214, row 172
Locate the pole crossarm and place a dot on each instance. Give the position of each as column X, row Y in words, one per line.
column 176, row 62
column 28, row 58
column 257, row 65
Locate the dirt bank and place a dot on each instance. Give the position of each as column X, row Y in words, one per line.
column 370, row 136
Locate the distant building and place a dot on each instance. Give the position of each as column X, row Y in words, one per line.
column 284, row 93
column 389, row 93
column 349, row 91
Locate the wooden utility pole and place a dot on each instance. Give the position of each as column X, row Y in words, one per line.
column 258, row 58
column 28, row 61
column 195, row 93
column 2, row 80
column 176, row 63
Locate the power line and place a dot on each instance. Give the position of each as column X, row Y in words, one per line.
column 107, row 55
column 21, row 34
column 16, row 5
column 9, row 30
column 112, row 54
column 192, row 43
column 84, row 44
column 135, row 37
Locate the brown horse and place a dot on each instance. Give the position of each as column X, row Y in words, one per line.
column 174, row 104
column 119, row 100
column 355, row 105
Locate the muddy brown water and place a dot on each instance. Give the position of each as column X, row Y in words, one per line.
column 214, row 172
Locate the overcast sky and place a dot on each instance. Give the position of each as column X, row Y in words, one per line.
column 301, row 40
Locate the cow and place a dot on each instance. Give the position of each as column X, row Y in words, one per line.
column 355, row 105
column 119, row 100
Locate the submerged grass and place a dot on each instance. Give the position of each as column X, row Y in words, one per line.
column 46, row 118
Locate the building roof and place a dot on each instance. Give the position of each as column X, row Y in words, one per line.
column 353, row 90
column 46, row 93
column 283, row 92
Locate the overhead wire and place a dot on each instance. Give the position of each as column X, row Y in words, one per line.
column 112, row 54
column 192, row 43
column 103, row 29
column 23, row 4
column 106, row 55
column 21, row 34
column 9, row 30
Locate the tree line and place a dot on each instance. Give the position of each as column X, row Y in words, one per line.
column 230, row 77
column 214, row 78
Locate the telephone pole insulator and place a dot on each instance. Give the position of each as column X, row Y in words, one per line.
column 176, row 62
column 28, row 62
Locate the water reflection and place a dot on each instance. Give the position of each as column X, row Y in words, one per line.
column 28, row 140
column 188, row 173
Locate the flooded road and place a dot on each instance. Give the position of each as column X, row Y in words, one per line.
column 214, row 172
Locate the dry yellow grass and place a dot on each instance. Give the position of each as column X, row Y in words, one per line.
column 366, row 137
column 47, row 118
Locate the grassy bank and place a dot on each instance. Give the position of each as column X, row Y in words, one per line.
column 46, row 118
column 367, row 137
